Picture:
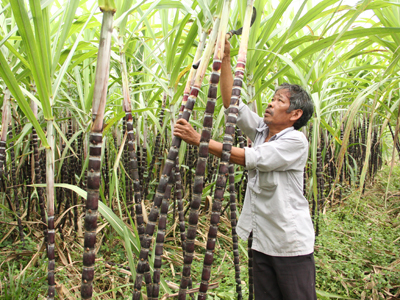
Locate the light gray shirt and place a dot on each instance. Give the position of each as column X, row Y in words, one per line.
column 274, row 207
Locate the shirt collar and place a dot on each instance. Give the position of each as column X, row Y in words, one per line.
column 265, row 128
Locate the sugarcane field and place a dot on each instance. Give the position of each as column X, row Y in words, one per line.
column 208, row 149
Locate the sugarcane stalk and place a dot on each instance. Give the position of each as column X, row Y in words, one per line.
column 133, row 161
column 226, row 153
column 157, row 148
column 5, row 120
column 192, row 73
column 95, row 140
column 396, row 143
column 178, row 195
column 50, row 208
column 162, row 225
column 250, row 265
column 128, row 180
column 203, row 157
column 169, row 164
column 235, row 240
column 15, row 186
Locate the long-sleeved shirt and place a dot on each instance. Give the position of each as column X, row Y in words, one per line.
column 274, row 207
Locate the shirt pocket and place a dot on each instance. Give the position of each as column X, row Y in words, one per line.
column 267, row 180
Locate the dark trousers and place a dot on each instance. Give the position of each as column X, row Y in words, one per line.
column 284, row 278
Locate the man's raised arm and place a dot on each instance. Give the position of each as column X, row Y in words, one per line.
column 226, row 80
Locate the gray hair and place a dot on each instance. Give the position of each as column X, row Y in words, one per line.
column 299, row 99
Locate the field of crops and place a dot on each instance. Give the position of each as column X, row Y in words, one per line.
column 99, row 200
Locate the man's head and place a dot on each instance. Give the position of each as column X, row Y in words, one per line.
column 301, row 106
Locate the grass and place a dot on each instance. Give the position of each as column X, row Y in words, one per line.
column 356, row 253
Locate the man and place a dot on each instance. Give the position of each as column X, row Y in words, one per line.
column 275, row 209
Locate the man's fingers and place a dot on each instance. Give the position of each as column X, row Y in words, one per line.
column 181, row 121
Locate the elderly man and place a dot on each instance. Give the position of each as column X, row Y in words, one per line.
column 274, row 210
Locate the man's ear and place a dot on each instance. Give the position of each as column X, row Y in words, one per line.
column 295, row 115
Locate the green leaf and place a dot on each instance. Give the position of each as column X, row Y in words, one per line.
column 7, row 75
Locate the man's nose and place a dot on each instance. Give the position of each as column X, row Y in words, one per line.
column 269, row 104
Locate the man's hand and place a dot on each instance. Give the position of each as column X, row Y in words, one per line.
column 186, row 132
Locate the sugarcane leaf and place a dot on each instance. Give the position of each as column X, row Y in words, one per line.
column 129, row 253
column 16, row 53
column 26, row 32
column 190, row 37
column 31, row 96
column 121, row 19
column 67, row 146
column 330, row 295
column 67, row 24
column 64, row 68
column 7, row 75
column 105, row 211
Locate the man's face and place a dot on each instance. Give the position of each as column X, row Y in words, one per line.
column 276, row 113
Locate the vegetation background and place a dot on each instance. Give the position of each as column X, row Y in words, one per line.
column 345, row 53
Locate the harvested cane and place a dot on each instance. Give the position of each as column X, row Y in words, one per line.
column 203, row 152
column 95, row 139
column 226, row 154
column 169, row 164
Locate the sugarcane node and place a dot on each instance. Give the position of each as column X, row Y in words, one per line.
column 88, row 274
column 162, row 222
column 206, row 274
column 213, row 87
column 225, row 157
column 88, row 258
column 50, row 238
column 50, row 251
column 211, row 244
column 210, row 107
column 157, row 265
column 193, row 93
column 193, row 218
column 50, row 278
column 188, row 258
column 90, row 225
column 50, row 222
column 229, row 129
column 203, row 289
column 237, row 83
column 94, row 164
column 240, row 69
column 213, row 232
column 156, row 288
column 216, row 67
column 208, row 259
column 186, row 116
column 51, row 265
column 93, row 181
